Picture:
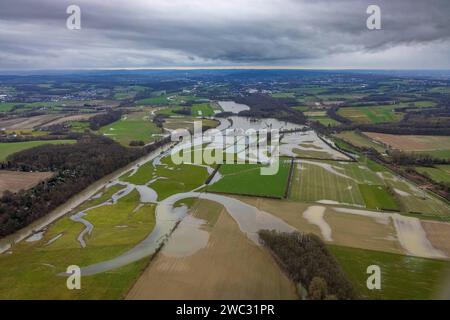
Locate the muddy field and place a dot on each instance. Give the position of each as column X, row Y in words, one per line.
column 344, row 229
column 15, row 181
column 29, row 122
column 438, row 234
column 412, row 142
column 204, row 259
column 75, row 117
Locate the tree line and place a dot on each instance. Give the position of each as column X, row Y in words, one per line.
column 307, row 261
column 264, row 106
column 76, row 166
column 100, row 120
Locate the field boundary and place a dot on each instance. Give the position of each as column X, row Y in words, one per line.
column 338, row 150
column 246, row 194
column 211, row 176
column 288, row 183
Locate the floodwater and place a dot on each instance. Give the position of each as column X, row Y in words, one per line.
column 307, row 141
column 249, row 219
column 409, row 230
column 7, row 242
column 315, row 215
column 187, row 239
column 231, row 106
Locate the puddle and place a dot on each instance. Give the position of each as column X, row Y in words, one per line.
column 35, row 237
column 315, row 215
column 187, row 239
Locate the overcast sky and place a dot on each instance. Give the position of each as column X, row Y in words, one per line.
column 170, row 33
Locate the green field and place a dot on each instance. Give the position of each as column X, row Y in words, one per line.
column 31, row 271
column 203, row 109
column 326, row 121
column 181, row 178
column 402, row 277
column 8, row 148
column 154, row 101
column 246, row 179
column 359, row 140
column 377, row 197
column 7, row 106
column 312, row 182
column 283, row 95
column 373, row 114
column 438, row 173
column 414, row 200
column 170, row 111
column 79, row 126
column 135, row 127
column 440, row 154
column 358, row 184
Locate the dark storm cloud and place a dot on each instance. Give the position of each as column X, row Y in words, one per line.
column 138, row 33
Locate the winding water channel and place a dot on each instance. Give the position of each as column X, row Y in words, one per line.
column 249, row 218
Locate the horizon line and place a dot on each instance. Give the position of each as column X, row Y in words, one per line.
column 234, row 67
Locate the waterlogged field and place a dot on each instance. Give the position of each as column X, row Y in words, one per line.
column 362, row 184
column 167, row 178
column 402, row 277
column 133, row 127
column 203, row 109
column 8, row 148
column 204, row 259
column 32, row 269
column 330, row 181
column 246, row 179
column 414, row 200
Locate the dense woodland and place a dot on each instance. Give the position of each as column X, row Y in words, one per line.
column 100, row 120
column 307, row 260
column 264, row 106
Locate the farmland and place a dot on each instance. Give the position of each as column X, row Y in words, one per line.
column 134, row 127
column 438, row 173
column 38, row 262
column 203, row 109
column 8, row 148
column 437, row 146
column 198, row 262
column 246, row 179
column 377, row 197
column 402, row 277
column 375, row 114
column 328, row 181
column 154, row 101
column 361, row 184
column 151, row 229
column 15, row 181
column 172, row 179
column 359, row 140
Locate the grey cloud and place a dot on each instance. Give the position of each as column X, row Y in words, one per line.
column 140, row 33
